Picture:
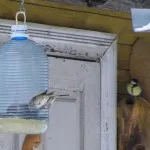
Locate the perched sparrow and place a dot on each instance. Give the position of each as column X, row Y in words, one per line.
column 43, row 100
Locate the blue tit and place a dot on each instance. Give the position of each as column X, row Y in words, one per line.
column 134, row 90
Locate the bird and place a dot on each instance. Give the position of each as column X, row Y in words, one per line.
column 43, row 100
column 134, row 90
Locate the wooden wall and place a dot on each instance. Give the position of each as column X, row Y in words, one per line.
column 124, row 52
column 52, row 13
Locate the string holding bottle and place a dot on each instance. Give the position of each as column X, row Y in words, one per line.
column 22, row 8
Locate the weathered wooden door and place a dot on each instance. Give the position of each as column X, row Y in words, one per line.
column 74, row 122
column 83, row 65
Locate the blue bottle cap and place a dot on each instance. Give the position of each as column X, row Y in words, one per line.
column 19, row 32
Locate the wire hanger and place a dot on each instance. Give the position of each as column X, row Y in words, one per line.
column 22, row 6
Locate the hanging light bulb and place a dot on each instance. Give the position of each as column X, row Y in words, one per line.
column 23, row 74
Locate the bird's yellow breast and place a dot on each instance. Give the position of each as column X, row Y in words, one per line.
column 135, row 91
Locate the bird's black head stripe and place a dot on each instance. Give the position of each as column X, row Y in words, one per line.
column 135, row 80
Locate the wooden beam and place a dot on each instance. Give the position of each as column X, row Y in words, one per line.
column 124, row 52
column 123, row 77
column 73, row 16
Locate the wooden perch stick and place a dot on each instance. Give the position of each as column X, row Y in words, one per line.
column 31, row 141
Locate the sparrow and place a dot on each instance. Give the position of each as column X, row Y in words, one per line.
column 43, row 100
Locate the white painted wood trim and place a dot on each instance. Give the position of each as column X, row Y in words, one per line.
column 109, row 99
column 53, row 39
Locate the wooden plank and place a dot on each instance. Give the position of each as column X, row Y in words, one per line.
column 123, row 5
column 123, row 78
column 81, row 126
column 122, row 88
column 76, row 8
column 123, row 75
column 64, row 42
column 109, row 99
column 121, row 97
column 123, row 56
column 73, row 16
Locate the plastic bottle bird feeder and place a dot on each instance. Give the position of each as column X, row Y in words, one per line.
column 23, row 74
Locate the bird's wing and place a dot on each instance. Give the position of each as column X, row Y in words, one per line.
column 130, row 89
column 137, row 91
column 33, row 98
column 49, row 102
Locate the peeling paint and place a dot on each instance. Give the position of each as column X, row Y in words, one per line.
column 73, row 53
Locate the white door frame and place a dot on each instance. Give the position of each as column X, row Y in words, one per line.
column 88, row 46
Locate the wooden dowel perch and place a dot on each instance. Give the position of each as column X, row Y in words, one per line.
column 31, row 141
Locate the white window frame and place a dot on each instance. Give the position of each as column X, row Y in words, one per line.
column 83, row 45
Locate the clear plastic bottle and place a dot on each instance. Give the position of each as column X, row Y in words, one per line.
column 23, row 74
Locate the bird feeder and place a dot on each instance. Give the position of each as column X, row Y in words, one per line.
column 23, row 74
